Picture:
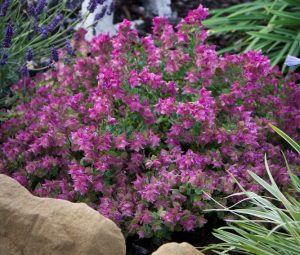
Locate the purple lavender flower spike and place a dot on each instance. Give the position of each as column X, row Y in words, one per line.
column 40, row 6
column 43, row 31
column 4, row 8
column 3, row 60
column 69, row 48
column 24, row 71
column 8, row 34
column 100, row 2
column 31, row 9
column 53, row 24
column 35, row 26
column 29, row 54
column 111, row 8
column 292, row 61
column 92, row 6
column 54, row 54
column 101, row 14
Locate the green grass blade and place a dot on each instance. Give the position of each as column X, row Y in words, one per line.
column 281, row 54
column 288, row 139
column 271, row 37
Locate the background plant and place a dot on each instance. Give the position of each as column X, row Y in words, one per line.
column 30, row 34
column 139, row 128
column 267, row 25
column 271, row 225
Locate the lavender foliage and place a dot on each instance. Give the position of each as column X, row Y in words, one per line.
column 29, row 54
column 100, row 2
column 3, row 8
column 54, row 23
column 54, row 54
column 69, row 48
column 32, row 24
column 111, row 8
column 31, row 9
column 3, row 60
column 24, row 71
column 8, row 35
column 35, row 26
column 92, row 6
column 41, row 4
column 101, row 14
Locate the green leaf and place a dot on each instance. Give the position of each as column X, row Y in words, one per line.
column 286, row 22
column 281, row 54
column 256, row 6
column 288, row 15
column 295, row 145
column 271, row 37
column 231, row 28
column 293, row 2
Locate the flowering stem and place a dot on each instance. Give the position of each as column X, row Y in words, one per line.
column 35, row 43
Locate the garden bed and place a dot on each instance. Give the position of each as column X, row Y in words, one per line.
column 145, row 129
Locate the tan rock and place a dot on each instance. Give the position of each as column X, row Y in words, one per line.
column 31, row 225
column 177, row 249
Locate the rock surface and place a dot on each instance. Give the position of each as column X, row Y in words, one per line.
column 40, row 226
column 158, row 7
column 177, row 249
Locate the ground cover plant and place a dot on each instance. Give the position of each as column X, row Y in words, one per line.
column 270, row 26
column 271, row 225
column 140, row 128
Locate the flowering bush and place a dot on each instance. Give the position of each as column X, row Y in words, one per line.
column 139, row 128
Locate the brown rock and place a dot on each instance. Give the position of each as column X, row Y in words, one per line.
column 31, row 225
column 177, row 249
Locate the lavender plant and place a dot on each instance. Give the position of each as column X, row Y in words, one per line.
column 30, row 34
column 27, row 29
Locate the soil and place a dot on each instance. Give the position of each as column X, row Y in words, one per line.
column 198, row 238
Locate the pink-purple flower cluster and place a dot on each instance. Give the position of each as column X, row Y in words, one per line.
column 141, row 128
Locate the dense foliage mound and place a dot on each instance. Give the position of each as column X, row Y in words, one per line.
column 138, row 128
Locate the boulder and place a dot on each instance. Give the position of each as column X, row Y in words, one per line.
column 177, row 249
column 40, row 226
